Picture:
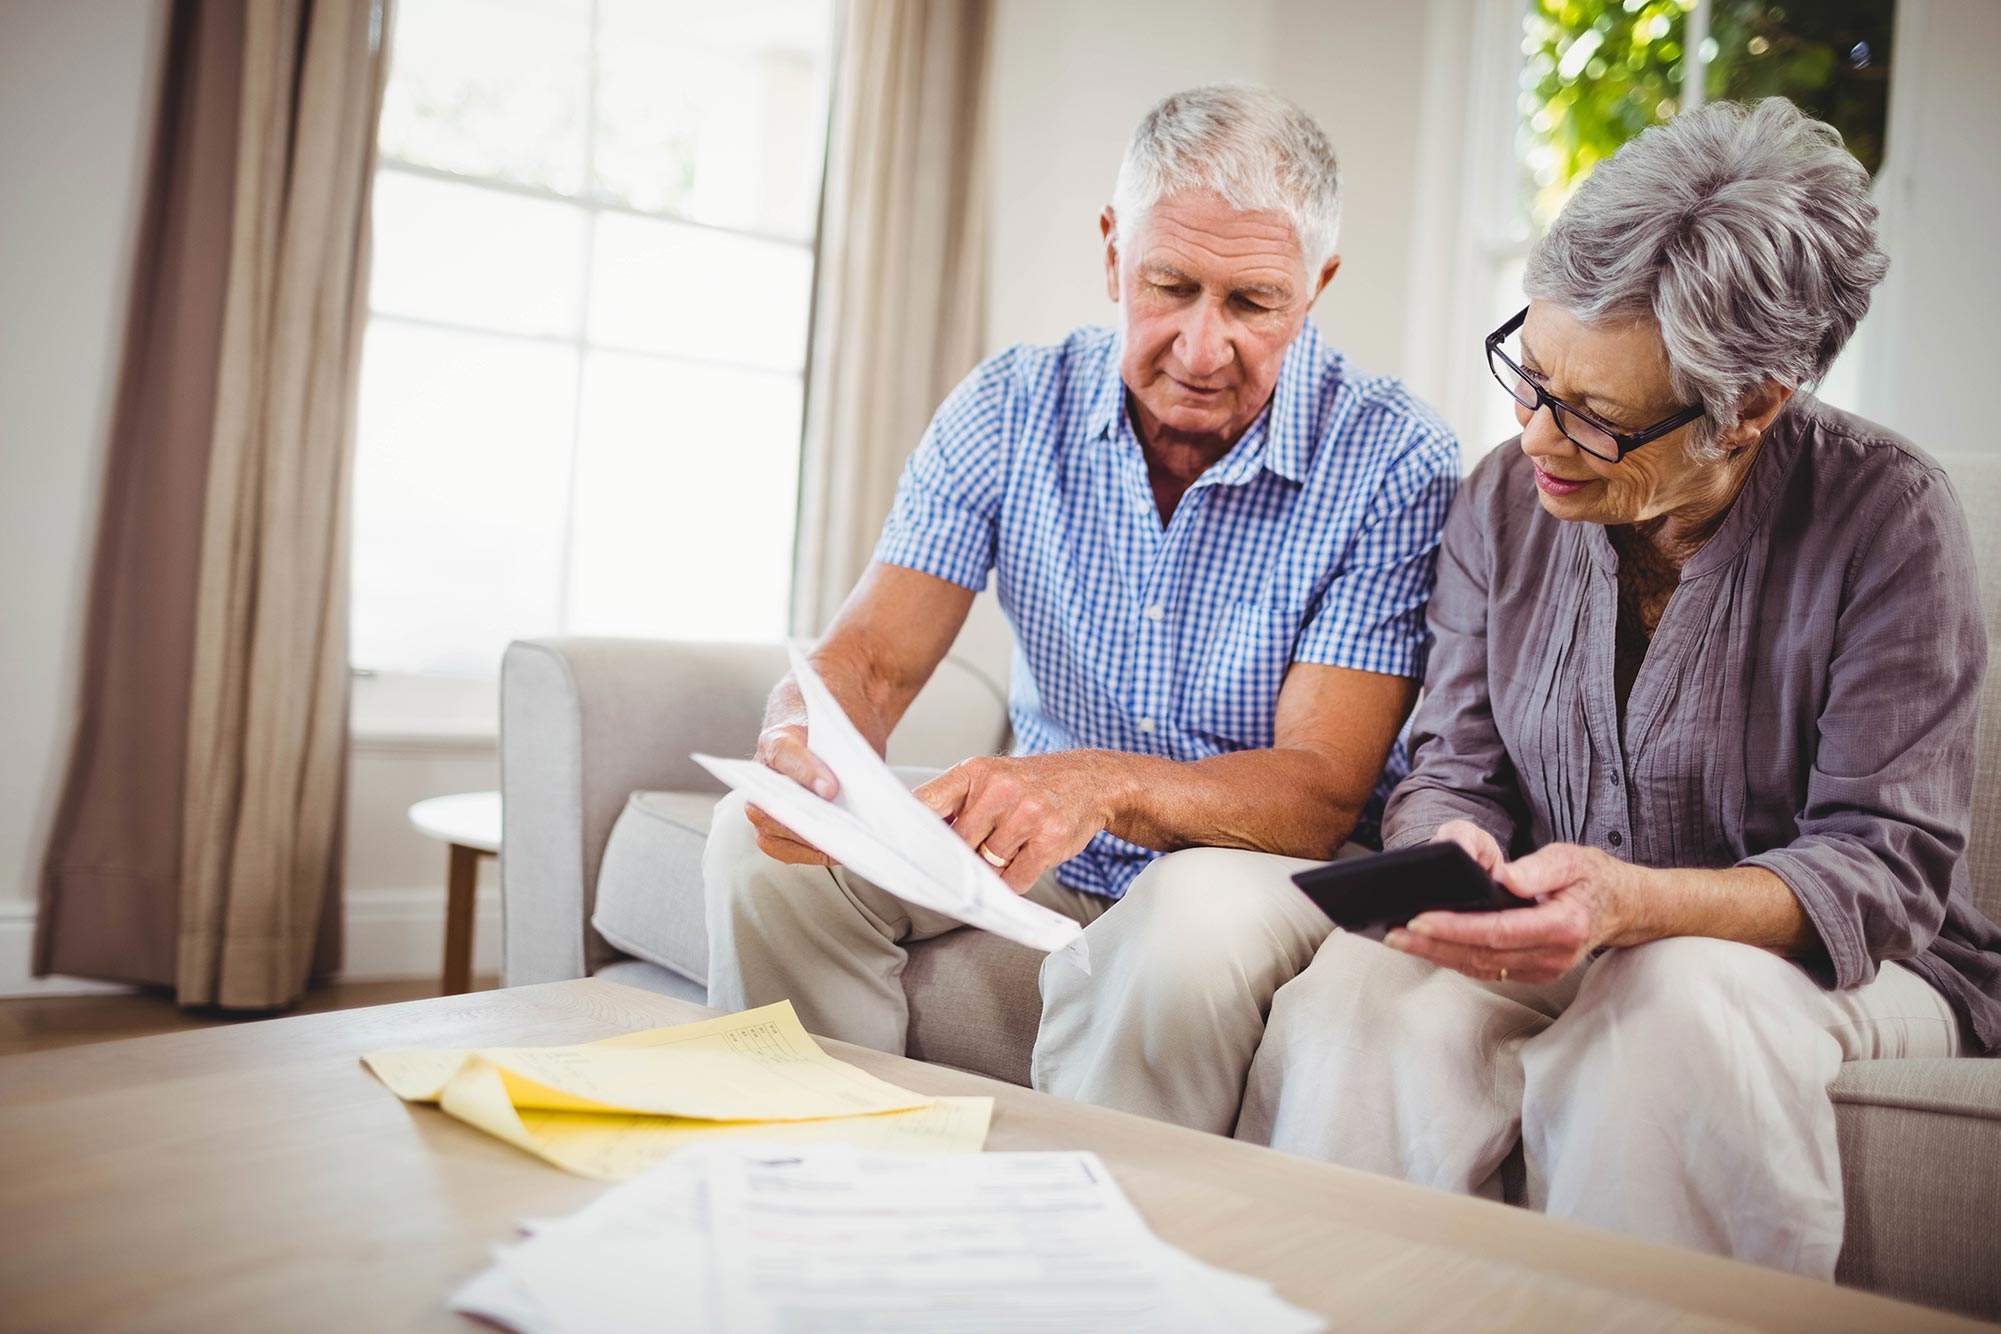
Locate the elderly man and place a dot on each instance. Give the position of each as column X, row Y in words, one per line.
column 1215, row 541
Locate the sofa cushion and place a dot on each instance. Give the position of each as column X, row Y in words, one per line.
column 1920, row 1144
column 649, row 900
column 651, row 977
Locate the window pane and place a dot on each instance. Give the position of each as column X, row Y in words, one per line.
column 715, row 112
column 1598, row 72
column 687, row 482
column 495, row 88
column 468, row 255
column 688, row 291
column 460, row 483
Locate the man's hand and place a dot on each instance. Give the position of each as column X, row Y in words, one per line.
column 1582, row 899
column 888, row 638
column 783, row 748
column 1034, row 812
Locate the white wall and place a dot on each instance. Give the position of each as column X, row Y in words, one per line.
column 1356, row 69
column 77, row 85
column 1069, row 83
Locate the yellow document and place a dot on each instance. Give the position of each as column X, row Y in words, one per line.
column 613, row 1108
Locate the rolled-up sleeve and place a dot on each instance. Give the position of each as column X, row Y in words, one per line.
column 945, row 519
column 1460, row 768
column 1371, row 617
column 1889, row 796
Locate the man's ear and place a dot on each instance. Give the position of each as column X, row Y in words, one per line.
column 1326, row 276
column 1108, row 227
column 1756, row 414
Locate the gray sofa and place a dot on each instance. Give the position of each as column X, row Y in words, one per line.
column 601, row 874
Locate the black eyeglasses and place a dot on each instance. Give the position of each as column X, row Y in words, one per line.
column 1585, row 430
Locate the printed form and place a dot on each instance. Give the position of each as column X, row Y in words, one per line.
column 754, row 1240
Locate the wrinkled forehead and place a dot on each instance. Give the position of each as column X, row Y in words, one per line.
column 1619, row 357
column 1196, row 234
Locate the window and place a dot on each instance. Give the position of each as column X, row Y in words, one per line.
column 1598, row 72
column 582, row 382
column 1587, row 75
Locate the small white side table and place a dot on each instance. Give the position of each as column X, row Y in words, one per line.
column 470, row 823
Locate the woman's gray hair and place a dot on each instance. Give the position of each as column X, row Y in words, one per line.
column 1744, row 231
column 1255, row 149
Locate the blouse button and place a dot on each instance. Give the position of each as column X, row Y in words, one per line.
column 1615, row 838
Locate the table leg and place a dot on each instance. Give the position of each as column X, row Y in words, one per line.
column 461, row 884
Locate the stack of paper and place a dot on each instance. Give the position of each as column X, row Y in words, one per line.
column 752, row 1240
column 614, row 1108
column 876, row 828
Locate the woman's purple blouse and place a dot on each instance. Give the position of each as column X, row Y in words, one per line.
column 1807, row 704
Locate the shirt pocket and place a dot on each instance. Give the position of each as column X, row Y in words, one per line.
column 1235, row 693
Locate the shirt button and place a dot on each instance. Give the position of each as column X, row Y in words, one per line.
column 1156, row 612
column 1615, row 838
column 1146, row 724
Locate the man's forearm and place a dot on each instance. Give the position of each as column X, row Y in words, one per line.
column 848, row 679
column 887, row 639
column 1291, row 801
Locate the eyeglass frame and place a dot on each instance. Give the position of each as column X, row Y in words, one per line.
column 1626, row 441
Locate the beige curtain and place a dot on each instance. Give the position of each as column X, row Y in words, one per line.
column 216, row 672
column 899, row 311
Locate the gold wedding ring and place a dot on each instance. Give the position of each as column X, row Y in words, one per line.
column 999, row 863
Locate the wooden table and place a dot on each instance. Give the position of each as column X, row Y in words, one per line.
column 257, row 1177
column 469, row 823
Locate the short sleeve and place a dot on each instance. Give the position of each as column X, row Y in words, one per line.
column 947, row 509
column 1371, row 616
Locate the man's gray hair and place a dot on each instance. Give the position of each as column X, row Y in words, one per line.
column 1744, row 231
column 1255, row 149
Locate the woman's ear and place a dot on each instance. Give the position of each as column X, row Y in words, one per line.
column 1755, row 415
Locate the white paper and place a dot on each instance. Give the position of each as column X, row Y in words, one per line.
column 998, row 1242
column 878, row 829
column 751, row 1239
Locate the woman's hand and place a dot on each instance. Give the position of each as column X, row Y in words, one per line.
column 1478, row 843
column 1582, row 900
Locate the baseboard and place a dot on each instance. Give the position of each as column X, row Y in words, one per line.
column 400, row 933
column 392, row 934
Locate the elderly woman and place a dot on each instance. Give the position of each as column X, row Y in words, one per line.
column 1707, row 660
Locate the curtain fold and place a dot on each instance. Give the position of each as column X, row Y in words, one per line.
column 899, row 306
column 216, row 674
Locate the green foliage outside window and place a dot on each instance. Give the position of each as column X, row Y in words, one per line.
column 1597, row 72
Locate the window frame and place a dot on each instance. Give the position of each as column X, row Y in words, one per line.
column 402, row 707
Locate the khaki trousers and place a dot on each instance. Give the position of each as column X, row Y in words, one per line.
column 1674, row 1091
column 823, row 937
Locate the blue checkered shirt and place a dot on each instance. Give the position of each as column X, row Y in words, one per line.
column 1312, row 540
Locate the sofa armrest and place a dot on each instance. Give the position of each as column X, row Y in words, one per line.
column 584, row 723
